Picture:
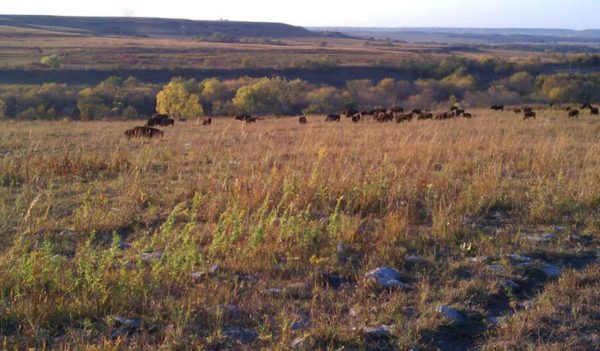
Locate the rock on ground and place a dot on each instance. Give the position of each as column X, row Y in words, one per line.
column 386, row 277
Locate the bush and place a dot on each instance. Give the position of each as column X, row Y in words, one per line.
column 51, row 61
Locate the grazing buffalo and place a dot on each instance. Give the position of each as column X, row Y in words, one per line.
column 518, row 110
column 332, row 118
column 586, row 105
column 441, row 116
column 207, row 121
column 181, row 119
column 594, row 110
column 417, row 111
column 250, row 120
column 467, row 115
column 351, row 112
column 397, row 109
column 160, row 120
column 356, row 118
column 146, row 132
column 574, row 113
column 405, row 117
column 426, row 115
column 497, row 107
column 243, row 117
column 527, row 109
column 302, row 120
column 529, row 114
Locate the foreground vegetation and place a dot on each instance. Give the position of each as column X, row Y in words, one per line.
column 103, row 239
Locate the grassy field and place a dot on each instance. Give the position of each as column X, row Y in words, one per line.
column 23, row 49
column 103, row 239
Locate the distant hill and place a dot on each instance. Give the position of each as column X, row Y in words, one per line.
column 472, row 35
column 154, row 27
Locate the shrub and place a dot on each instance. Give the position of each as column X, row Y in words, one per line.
column 52, row 61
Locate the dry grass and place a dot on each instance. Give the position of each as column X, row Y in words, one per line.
column 270, row 202
column 24, row 49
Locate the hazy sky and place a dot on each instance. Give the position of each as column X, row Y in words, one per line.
column 576, row 14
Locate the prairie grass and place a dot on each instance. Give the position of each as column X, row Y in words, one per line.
column 269, row 204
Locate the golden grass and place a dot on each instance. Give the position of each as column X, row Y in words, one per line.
column 269, row 202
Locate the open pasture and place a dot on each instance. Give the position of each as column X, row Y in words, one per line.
column 111, row 243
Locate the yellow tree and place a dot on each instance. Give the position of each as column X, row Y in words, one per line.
column 177, row 101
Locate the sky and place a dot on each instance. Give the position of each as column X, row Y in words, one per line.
column 572, row 14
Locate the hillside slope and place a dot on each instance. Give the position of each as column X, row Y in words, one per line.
column 161, row 27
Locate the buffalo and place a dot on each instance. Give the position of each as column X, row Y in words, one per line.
column 356, row 118
column 497, row 107
column 467, row 115
column 332, row 118
column 586, row 105
column 146, row 132
column 529, row 114
column 351, row 112
column 397, row 109
column 207, row 121
column 302, row 120
column 243, row 117
column 574, row 113
column 160, row 120
column 594, row 110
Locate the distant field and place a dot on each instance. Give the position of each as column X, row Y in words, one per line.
column 24, row 49
column 495, row 217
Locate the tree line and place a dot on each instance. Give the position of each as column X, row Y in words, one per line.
column 131, row 98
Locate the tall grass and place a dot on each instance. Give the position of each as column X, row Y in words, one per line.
column 269, row 203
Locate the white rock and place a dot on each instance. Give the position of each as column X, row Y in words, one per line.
column 386, row 277
column 518, row 258
column 450, row 313
column 551, row 271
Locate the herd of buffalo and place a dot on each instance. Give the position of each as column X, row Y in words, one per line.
column 397, row 114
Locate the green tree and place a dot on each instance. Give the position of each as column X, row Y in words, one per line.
column 179, row 98
column 272, row 95
column 522, row 82
column 51, row 61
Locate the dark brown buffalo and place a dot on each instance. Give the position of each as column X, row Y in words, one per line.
column 207, row 121
column 182, row 119
column 302, row 120
column 574, row 113
column 441, row 116
column 356, row 118
column 243, row 117
column 160, row 120
column 349, row 113
column 586, row 105
column 404, row 117
column 426, row 115
column 594, row 110
column 527, row 109
column 250, row 120
column 497, row 107
column 332, row 118
column 146, row 132
column 417, row 111
column 467, row 115
column 518, row 110
column 397, row 109
column 529, row 114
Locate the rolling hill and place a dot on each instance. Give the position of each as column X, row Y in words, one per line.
column 154, row 27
